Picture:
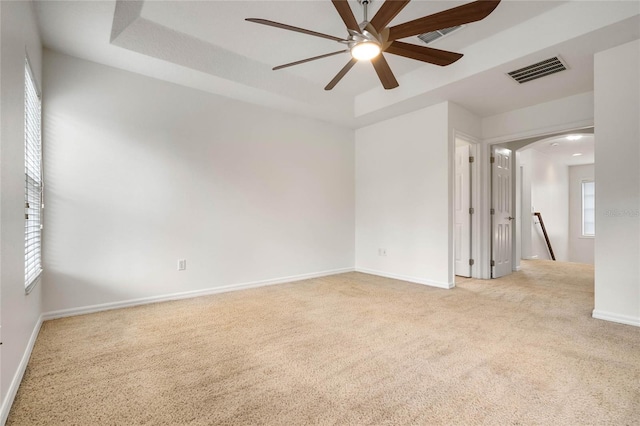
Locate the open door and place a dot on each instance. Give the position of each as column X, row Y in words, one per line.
column 462, row 216
column 501, row 215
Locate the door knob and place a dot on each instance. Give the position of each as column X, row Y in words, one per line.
column 511, row 218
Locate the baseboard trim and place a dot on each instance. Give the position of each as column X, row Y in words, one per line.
column 410, row 279
column 187, row 294
column 621, row 319
column 17, row 378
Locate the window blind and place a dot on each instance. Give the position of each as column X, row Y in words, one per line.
column 33, row 180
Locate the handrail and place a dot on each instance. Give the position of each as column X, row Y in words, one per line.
column 546, row 236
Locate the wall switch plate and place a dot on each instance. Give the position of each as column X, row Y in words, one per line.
column 182, row 264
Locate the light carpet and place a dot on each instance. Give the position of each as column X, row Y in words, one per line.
column 352, row 349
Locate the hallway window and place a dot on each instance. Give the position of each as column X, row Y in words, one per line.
column 33, row 180
column 588, row 209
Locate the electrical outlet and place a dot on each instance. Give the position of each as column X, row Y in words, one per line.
column 182, row 264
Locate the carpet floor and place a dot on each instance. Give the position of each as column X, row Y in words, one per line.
column 349, row 349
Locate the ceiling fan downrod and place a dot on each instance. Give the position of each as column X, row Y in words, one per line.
column 365, row 4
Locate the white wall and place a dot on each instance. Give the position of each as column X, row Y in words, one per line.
column 572, row 112
column 402, row 197
column 141, row 173
column 581, row 249
column 19, row 313
column 549, row 192
column 404, row 193
column 617, row 132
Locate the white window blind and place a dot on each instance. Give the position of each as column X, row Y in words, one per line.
column 33, row 180
column 588, row 209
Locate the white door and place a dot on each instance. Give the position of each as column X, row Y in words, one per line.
column 462, row 219
column 501, row 215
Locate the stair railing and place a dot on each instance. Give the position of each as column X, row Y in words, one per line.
column 546, row 236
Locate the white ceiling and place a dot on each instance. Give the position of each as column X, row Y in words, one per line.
column 274, row 46
column 207, row 45
column 563, row 149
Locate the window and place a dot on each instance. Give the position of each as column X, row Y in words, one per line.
column 588, row 209
column 33, row 180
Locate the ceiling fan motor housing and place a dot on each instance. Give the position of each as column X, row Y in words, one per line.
column 364, row 45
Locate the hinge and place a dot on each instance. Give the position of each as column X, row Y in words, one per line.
column 471, row 210
column 471, row 262
column 493, row 263
column 472, row 159
column 493, row 160
column 492, row 211
column 26, row 216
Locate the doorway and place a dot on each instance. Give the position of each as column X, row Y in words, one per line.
column 464, row 206
column 558, row 181
column 545, row 171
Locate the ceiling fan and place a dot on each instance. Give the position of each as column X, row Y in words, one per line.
column 368, row 39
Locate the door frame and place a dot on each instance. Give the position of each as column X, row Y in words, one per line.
column 475, row 150
column 485, row 172
column 462, row 214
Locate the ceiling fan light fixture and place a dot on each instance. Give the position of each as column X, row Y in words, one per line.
column 365, row 50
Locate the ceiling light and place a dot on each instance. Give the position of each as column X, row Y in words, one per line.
column 365, row 50
column 574, row 137
column 577, row 154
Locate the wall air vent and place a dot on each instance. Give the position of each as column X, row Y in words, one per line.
column 540, row 69
column 434, row 35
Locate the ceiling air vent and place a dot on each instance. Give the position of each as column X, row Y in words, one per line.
column 541, row 69
column 434, row 35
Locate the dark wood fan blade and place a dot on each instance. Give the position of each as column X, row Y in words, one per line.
column 292, row 28
column 423, row 53
column 383, row 70
column 341, row 74
column 326, row 55
column 386, row 13
column 343, row 8
column 460, row 15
